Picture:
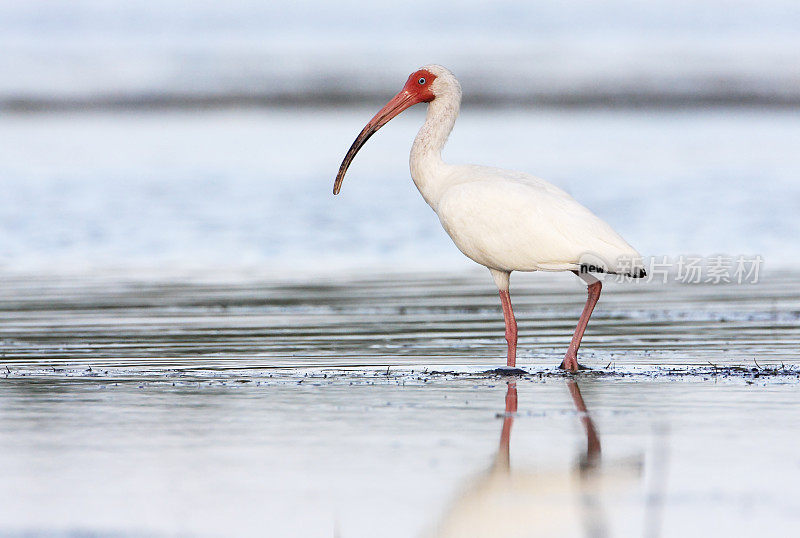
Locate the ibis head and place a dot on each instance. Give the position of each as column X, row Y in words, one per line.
column 418, row 89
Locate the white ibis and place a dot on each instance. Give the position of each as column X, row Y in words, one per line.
column 504, row 220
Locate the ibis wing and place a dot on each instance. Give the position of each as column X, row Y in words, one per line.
column 519, row 224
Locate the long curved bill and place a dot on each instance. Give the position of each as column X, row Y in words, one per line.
column 398, row 103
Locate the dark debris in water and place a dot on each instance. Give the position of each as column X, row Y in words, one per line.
column 505, row 372
column 742, row 372
column 316, row 377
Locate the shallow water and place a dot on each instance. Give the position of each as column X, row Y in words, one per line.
column 402, row 320
column 198, row 367
column 156, row 407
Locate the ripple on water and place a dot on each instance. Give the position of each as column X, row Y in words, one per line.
column 407, row 322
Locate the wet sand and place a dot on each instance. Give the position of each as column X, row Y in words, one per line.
column 361, row 408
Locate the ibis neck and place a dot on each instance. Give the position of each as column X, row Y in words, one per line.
column 427, row 168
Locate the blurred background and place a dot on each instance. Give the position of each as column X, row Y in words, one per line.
column 174, row 136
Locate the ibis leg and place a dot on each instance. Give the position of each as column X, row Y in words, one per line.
column 570, row 361
column 511, row 328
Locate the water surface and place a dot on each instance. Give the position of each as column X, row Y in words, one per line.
column 358, row 408
column 233, row 190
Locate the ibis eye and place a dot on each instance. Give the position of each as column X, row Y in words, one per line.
column 421, row 80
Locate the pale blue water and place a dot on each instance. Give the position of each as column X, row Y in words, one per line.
column 250, row 190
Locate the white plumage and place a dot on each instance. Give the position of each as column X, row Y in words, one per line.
column 505, row 220
column 526, row 224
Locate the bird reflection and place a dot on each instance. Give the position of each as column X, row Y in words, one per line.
column 507, row 502
column 591, row 508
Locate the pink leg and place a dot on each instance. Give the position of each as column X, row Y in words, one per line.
column 511, row 328
column 570, row 361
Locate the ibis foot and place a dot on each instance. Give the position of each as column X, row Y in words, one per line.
column 572, row 365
